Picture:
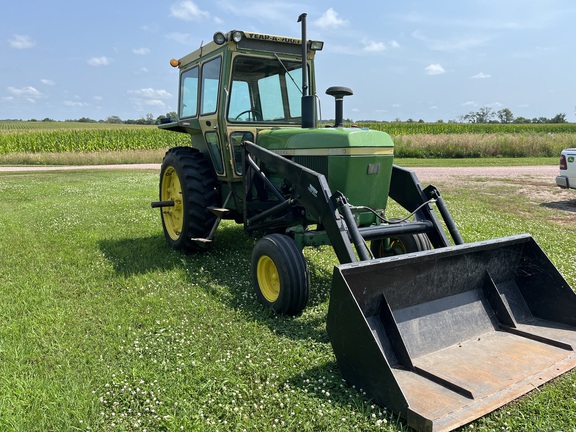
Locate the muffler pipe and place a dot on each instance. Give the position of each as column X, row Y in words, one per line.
column 308, row 101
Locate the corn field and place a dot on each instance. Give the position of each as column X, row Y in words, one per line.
column 412, row 140
column 400, row 128
column 58, row 137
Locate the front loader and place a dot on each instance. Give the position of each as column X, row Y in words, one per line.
column 438, row 330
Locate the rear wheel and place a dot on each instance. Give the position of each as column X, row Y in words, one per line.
column 280, row 274
column 399, row 245
column 187, row 178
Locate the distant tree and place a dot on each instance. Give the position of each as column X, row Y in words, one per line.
column 85, row 120
column 113, row 119
column 149, row 119
column 484, row 115
column 559, row 118
column 505, row 116
column 48, row 120
column 439, row 121
column 521, row 120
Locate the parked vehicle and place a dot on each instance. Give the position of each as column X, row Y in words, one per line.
column 567, row 177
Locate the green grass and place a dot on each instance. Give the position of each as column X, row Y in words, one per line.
column 104, row 327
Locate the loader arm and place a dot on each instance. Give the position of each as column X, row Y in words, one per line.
column 312, row 191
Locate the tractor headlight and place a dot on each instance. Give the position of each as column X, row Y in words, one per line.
column 315, row 45
column 237, row 36
column 219, row 38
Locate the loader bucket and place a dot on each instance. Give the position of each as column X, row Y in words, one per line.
column 443, row 337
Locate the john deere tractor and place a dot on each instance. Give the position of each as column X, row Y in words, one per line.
column 438, row 330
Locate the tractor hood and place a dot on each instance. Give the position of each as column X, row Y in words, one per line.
column 326, row 142
column 356, row 162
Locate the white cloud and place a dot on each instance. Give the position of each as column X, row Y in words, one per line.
column 47, row 82
column 469, row 103
column 434, row 69
column 330, row 20
column 28, row 92
column 21, row 42
column 374, row 46
column 98, row 61
column 481, row 75
column 188, row 11
column 74, row 104
column 151, row 93
column 149, row 97
column 141, row 51
column 155, row 103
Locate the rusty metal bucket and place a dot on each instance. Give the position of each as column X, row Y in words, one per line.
column 443, row 337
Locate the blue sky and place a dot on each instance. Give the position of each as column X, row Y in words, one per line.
column 406, row 59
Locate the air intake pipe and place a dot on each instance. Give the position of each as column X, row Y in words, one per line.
column 339, row 92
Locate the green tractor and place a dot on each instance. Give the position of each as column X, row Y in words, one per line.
column 427, row 325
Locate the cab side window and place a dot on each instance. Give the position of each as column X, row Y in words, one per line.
column 210, row 81
column 189, row 93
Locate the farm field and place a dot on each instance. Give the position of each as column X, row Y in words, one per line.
column 61, row 143
column 104, row 327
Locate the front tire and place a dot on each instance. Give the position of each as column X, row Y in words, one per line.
column 280, row 274
column 188, row 179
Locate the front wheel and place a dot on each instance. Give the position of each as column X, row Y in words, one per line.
column 280, row 274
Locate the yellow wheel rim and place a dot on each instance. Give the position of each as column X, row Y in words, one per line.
column 171, row 190
column 268, row 279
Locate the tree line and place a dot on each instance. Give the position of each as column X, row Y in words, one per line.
column 488, row 115
column 483, row 115
column 149, row 119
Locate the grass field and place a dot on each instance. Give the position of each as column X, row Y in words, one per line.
column 104, row 327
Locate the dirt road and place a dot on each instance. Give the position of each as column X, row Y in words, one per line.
column 77, row 167
column 545, row 171
column 424, row 173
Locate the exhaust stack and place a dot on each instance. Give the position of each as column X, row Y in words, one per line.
column 308, row 101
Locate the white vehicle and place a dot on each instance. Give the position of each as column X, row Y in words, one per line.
column 567, row 177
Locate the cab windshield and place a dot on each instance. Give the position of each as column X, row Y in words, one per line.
column 265, row 90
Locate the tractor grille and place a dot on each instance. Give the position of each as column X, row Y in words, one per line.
column 316, row 163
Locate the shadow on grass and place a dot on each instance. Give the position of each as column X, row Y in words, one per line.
column 130, row 256
column 224, row 273
column 568, row 205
